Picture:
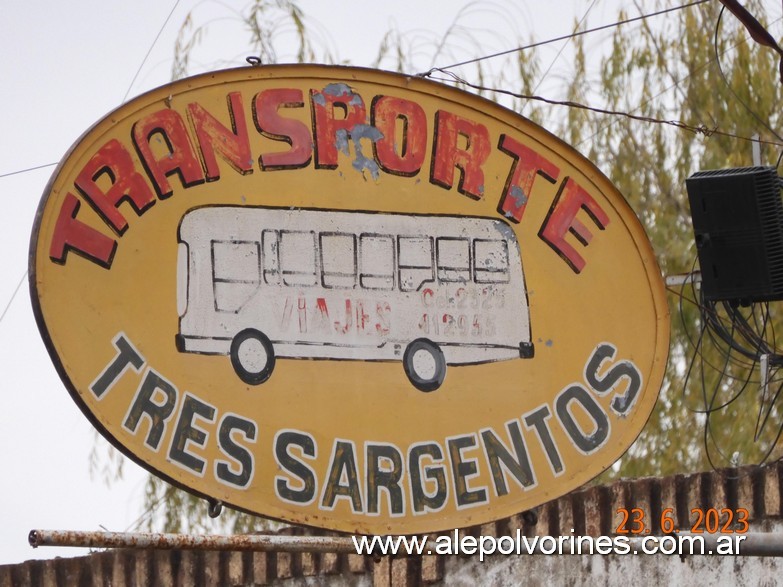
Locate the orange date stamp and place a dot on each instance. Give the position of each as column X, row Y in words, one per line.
column 711, row 521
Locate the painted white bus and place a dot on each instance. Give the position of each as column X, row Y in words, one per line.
column 258, row 283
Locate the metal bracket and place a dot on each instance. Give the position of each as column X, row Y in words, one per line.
column 215, row 508
column 683, row 278
column 764, row 368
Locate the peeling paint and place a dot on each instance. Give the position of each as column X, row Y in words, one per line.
column 361, row 162
column 520, row 199
column 340, row 90
column 504, row 230
column 341, row 141
column 337, row 89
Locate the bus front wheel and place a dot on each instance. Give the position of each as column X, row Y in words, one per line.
column 252, row 356
column 424, row 364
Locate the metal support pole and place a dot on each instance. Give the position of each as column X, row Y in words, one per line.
column 683, row 278
column 764, row 368
column 756, row 149
column 752, row 544
column 257, row 542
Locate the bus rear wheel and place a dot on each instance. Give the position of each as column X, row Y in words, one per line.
column 424, row 364
column 252, row 356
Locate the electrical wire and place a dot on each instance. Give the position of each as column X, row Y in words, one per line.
column 703, row 331
column 143, row 61
column 13, row 295
column 728, row 85
column 702, row 129
column 662, row 58
column 124, row 98
column 562, row 38
column 723, row 374
column 674, row 86
column 562, row 47
column 696, row 129
column 149, row 51
column 18, row 171
column 737, row 336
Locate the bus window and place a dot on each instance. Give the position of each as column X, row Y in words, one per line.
column 297, row 258
column 236, row 273
column 416, row 268
column 338, row 259
column 490, row 260
column 271, row 244
column 377, row 261
column 453, row 259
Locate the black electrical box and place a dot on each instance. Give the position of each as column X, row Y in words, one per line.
column 738, row 226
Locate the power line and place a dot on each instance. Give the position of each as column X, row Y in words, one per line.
column 562, row 38
column 18, row 171
column 425, row 74
column 152, row 46
column 13, row 296
column 728, row 85
column 560, row 51
column 124, row 98
column 696, row 129
column 664, row 61
column 133, row 81
column 675, row 85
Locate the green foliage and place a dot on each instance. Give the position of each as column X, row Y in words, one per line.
column 664, row 69
column 670, row 72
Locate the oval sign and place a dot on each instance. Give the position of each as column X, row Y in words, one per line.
column 348, row 298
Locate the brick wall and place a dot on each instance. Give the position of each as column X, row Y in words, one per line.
column 591, row 511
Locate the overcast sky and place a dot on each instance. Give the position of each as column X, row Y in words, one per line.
column 65, row 65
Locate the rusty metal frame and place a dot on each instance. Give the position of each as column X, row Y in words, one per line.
column 251, row 542
column 753, row 544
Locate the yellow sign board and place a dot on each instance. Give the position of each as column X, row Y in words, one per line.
column 348, row 298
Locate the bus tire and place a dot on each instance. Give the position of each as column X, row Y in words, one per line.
column 252, row 356
column 424, row 364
